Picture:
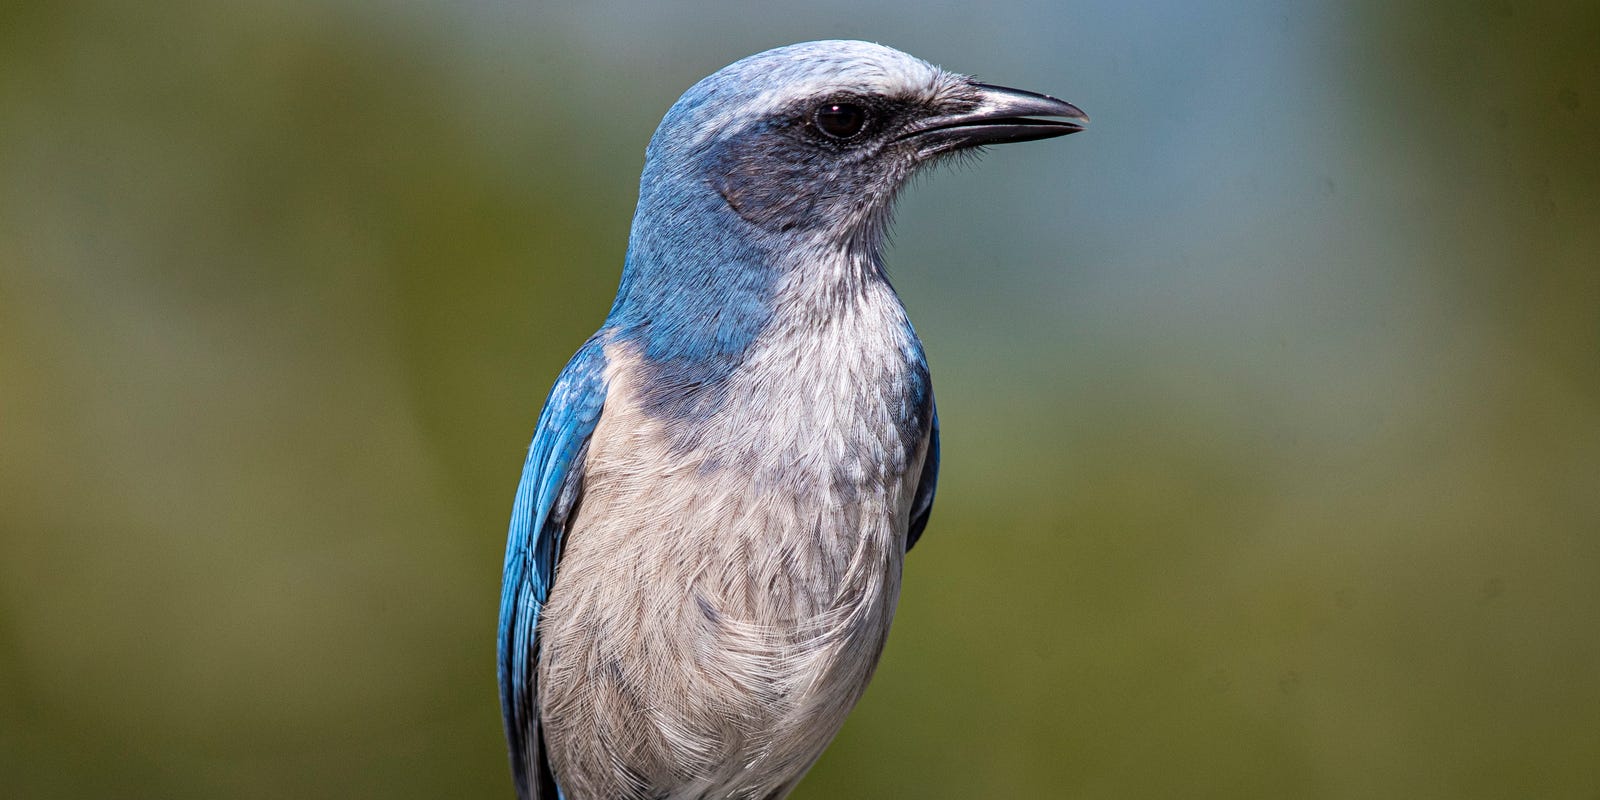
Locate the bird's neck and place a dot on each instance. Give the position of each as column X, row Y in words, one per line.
column 701, row 284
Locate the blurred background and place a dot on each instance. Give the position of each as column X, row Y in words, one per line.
column 1271, row 404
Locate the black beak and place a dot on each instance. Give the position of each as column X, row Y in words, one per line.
column 1000, row 116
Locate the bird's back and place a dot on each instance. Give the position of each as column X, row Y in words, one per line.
column 730, row 575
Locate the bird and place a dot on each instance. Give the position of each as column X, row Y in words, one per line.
column 706, row 544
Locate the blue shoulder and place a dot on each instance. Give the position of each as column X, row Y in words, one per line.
column 551, row 480
column 922, row 502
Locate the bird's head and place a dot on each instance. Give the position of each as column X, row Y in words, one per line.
column 813, row 140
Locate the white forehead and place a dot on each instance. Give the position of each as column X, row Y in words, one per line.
column 759, row 85
column 809, row 69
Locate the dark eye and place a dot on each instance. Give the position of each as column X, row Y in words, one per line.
column 839, row 120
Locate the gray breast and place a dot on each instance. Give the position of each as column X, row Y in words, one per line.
column 718, row 610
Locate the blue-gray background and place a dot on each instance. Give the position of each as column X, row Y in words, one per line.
column 1271, row 403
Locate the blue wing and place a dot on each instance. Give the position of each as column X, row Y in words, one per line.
column 922, row 503
column 551, row 481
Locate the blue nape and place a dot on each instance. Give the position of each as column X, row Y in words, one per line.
column 691, row 340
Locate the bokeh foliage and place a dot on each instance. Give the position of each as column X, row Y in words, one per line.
column 1271, row 404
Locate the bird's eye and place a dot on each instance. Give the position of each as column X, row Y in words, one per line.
column 839, row 120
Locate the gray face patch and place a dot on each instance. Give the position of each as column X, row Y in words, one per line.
column 785, row 175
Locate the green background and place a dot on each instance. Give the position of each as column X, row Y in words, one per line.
column 1271, row 404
